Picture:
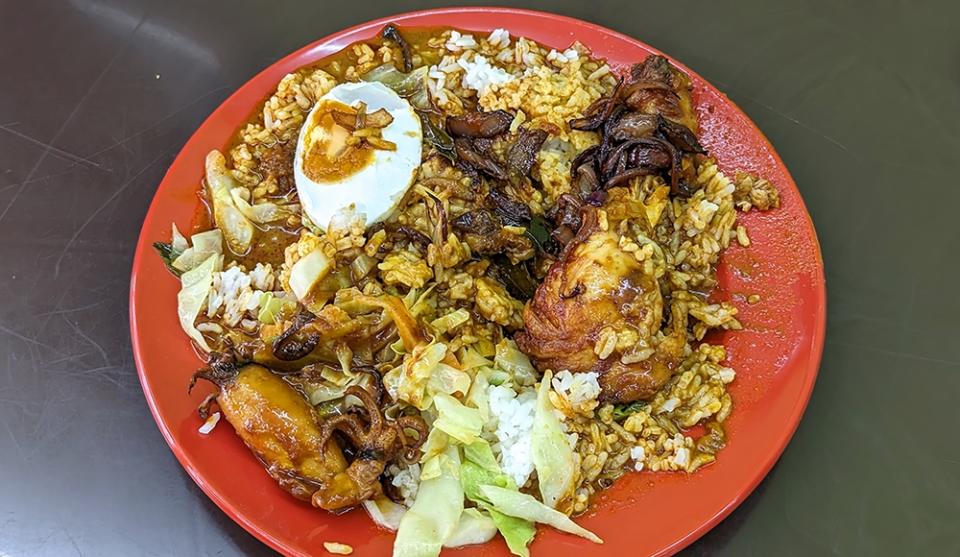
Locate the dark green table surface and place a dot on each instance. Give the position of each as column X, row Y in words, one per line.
column 861, row 99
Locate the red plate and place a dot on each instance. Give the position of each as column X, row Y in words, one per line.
column 776, row 356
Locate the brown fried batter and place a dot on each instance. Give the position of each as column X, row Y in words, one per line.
column 597, row 310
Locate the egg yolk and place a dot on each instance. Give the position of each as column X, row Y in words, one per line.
column 328, row 155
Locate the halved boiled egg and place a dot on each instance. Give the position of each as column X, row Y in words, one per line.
column 358, row 150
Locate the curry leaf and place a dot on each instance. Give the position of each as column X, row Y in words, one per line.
column 168, row 254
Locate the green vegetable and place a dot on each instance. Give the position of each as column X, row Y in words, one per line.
column 195, row 287
column 474, row 527
column 438, row 137
column 397, row 346
column 477, row 396
column 517, row 532
column 168, row 254
column 552, row 454
column 362, row 266
column 624, row 411
column 412, row 379
column 456, row 420
column 435, row 512
column 498, row 377
column 436, row 444
column 470, row 358
column 521, row 505
column 480, row 469
column 273, row 308
column 480, row 453
column 539, row 232
column 509, row 358
column 204, row 245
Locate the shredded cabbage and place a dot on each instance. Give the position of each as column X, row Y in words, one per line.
column 553, row 458
column 521, row 505
column 411, row 86
column 481, row 468
column 195, row 287
column 448, row 379
column 272, row 308
column 411, row 379
column 237, row 229
column 470, row 358
column 510, row 359
column 261, row 213
column 435, row 512
column 203, row 246
column 478, row 396
column 436, row 444
column 456, row 420
column 177, row 240
column 474, row 527
column 308, row 271
column 450, row 321
column 384, row 512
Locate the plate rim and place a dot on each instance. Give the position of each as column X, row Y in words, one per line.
column 818, row 333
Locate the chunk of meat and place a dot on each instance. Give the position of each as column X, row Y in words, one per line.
column 597, row 310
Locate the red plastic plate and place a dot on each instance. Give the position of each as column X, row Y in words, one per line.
column 776, row 356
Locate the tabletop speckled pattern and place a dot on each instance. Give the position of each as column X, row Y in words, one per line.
column 861, row 99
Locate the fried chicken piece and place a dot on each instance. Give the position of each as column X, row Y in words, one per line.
column 597, row 310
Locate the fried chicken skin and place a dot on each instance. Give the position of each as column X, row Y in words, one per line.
column 597, row 310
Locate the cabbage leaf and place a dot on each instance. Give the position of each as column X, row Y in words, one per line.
column 520, row 505
column 308, row 271
column 456, row 420
column 480, row 468
column 435, row 512
column 557, row 471
column 195, row 286
column 474, row 527
column 510, row 359
column 384, row 512
column 237, row 229
column 204, row 244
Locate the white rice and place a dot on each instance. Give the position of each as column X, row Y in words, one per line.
column 514, row 415
column 232, row 292
column 727, row 374
column 262, row 278
column 579, row 390
column 458, row 42
column 637, row 455
column 499, row 38
column 560, row 58
column 481, row 76
column 407, row 482
column 211, row 423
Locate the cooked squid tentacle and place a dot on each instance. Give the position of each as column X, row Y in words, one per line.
column 377, row 443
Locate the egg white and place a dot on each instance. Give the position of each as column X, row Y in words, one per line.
column 376, row 189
